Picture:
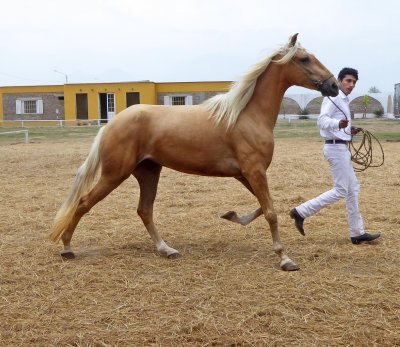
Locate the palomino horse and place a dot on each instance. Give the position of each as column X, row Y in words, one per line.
column 230, row 135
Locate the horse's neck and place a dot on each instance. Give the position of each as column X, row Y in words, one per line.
column 268, row 95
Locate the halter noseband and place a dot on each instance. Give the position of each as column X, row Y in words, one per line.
column 319, row 83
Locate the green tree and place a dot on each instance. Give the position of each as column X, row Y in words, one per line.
column 365, row 103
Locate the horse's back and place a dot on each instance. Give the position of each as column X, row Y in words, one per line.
column 183, row 138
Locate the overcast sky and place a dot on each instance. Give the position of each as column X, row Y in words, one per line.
column 191, row 40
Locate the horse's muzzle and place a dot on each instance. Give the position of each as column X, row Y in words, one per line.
column 329, row 87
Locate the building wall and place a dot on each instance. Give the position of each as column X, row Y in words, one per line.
column 49, row 94
column 396, row 99
column 1, row 107
column 146, row 90
column 200, row 91
column 198, row 97
column 150, row 93
column 53, row 107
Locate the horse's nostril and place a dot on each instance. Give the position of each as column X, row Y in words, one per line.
column 335, row 89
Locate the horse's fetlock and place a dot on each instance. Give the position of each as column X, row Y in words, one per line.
column 278, row 249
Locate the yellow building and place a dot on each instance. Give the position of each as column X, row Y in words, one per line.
column 97, row 102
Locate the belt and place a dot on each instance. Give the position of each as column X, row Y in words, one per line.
column 336, row 141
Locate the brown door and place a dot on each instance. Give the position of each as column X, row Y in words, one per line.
column 132, row 98
column 81, row 106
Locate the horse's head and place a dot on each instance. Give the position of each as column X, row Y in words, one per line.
column 305, row 70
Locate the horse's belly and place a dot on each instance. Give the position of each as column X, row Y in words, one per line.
column 221, row 168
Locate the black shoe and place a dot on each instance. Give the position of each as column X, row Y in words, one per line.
column 298, row 220
column 364, row 238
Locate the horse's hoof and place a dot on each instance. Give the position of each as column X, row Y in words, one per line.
column 289, row 266
column 68, row 255
column 174, row 256
column 229, row 215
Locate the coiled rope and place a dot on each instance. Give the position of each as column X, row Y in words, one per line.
column 361, row 152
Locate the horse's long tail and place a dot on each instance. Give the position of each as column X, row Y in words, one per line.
column 81, row 186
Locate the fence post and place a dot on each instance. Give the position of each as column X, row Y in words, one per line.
column 26, row 136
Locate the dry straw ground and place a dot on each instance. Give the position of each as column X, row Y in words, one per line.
column 226, row 289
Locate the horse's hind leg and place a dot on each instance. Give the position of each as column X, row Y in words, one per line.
column 147, row 174
column 102, row 188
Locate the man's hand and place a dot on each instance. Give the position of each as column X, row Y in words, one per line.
column 355, row 130
column 343, row 123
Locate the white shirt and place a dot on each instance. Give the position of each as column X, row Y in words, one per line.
column 330, row 116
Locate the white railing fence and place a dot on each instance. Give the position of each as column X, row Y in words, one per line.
column 26, row 132
column 52, row 122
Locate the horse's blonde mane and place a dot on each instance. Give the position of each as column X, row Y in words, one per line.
column 227, row 107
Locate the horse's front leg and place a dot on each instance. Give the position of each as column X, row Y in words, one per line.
column 242, row 220
column 248, row 218
column 257, row 178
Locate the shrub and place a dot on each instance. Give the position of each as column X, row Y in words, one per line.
column 378, row 112
column 303, row 111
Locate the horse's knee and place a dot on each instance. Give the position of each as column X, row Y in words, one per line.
column 144, row 213
column 272, row 218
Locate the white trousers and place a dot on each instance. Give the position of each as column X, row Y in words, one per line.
column 345, row 186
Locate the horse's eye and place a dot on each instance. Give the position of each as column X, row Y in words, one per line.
column 305, row 60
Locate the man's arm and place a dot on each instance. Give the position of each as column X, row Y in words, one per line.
column 325, row 120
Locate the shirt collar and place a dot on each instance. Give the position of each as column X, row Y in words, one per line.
column 343, row 95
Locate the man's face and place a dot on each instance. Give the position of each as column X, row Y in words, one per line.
column 347, row 84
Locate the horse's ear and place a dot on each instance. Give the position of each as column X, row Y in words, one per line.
column 292, row 40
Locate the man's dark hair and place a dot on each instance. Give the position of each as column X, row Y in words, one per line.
column 348, row 71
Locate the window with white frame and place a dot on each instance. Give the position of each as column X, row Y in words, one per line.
column 176, row 100
column 29, row 106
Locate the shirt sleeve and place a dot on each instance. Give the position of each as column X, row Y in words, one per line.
column 325, row 119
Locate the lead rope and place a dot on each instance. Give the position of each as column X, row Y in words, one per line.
column 361, row 154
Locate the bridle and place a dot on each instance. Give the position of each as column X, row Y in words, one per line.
column 317, row 83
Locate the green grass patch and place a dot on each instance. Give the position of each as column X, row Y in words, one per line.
column 383, row 129
column 49, row 133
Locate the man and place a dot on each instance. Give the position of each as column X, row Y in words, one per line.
column 335, row 127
